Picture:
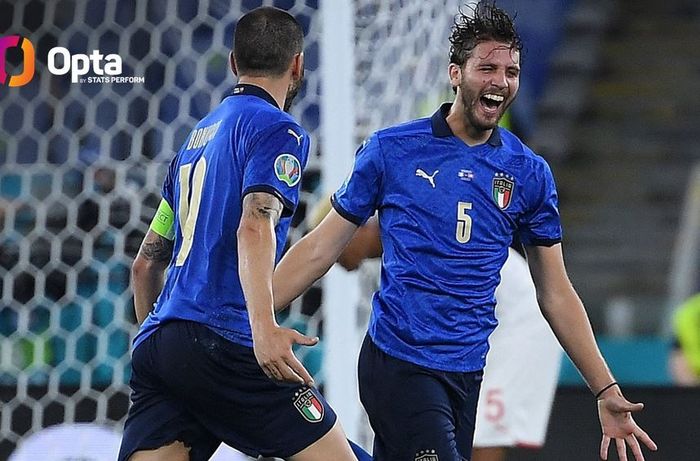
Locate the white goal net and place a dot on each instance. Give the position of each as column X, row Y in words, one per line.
column 81, row 165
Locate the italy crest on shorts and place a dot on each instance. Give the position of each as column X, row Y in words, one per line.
column 503, row 186
column 426, row 455
column 288, row 169
column 308, row 405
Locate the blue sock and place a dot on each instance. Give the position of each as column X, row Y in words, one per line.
column 361, row 454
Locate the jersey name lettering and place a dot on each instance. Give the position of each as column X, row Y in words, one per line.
column 200, row 137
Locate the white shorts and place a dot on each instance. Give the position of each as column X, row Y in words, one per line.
column 69, row 441
column 522, row 366
column 226, row 453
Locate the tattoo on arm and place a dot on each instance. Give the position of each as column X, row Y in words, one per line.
column 262, row 205
column 157, row 248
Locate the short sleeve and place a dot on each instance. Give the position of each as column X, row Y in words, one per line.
column 359, row 196
column 167, row 191
column 541, row 223
column 275, row 162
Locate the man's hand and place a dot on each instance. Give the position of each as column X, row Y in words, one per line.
column 615, row 413
column 273, row 350
column 272, row 344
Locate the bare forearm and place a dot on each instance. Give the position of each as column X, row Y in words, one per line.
column 147, row 286
column 147, row 272
column 256, row 251
column 365, row 244
column 569, row 321
column 300, row 267
column 257, row 246
column 566, row 315
column 311, row 257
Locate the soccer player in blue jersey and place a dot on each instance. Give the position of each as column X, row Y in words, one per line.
column 210, row 364
column 451, row 192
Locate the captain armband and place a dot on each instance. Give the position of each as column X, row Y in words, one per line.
column 163, row 222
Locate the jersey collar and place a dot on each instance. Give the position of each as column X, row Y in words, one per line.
column 253, row 90
column 442, row 130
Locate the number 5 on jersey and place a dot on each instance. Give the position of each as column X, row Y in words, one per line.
column 464, row 222
column 188, row 207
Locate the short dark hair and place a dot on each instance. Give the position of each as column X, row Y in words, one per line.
column 482, row 23
column 265, row 42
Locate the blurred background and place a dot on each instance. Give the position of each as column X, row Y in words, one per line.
column 610, row 96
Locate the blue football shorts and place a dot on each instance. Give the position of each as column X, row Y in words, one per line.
column 417, row 414
column 189, row 384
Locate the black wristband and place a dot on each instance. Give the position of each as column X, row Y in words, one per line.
column 600, row 392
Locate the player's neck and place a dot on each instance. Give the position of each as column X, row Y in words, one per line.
column 460, row 126
column 277, row 87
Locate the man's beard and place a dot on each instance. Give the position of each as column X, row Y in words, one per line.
column 292, row 93
column 470, row 101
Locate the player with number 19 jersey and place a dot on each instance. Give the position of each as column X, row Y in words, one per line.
column 448, row 213
column 247, row 144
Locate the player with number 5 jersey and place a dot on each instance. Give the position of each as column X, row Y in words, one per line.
column 461, row 222
column 452, row 192
column 210, row 363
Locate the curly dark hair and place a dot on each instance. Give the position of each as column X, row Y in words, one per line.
column 481, row 23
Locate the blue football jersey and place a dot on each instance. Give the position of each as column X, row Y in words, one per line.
column 447, row 213
column 247, row 144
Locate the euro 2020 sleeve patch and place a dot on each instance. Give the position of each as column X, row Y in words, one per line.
column 288, row 169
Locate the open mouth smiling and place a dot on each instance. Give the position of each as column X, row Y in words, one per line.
column 492, row 102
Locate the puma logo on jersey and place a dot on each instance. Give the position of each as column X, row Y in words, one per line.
column 431, row 178
column 296, row 136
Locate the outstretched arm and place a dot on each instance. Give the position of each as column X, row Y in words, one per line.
column 272, row 344
column 566, row 315
column 366, row 244
column 310, row 258
column 147, row 272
